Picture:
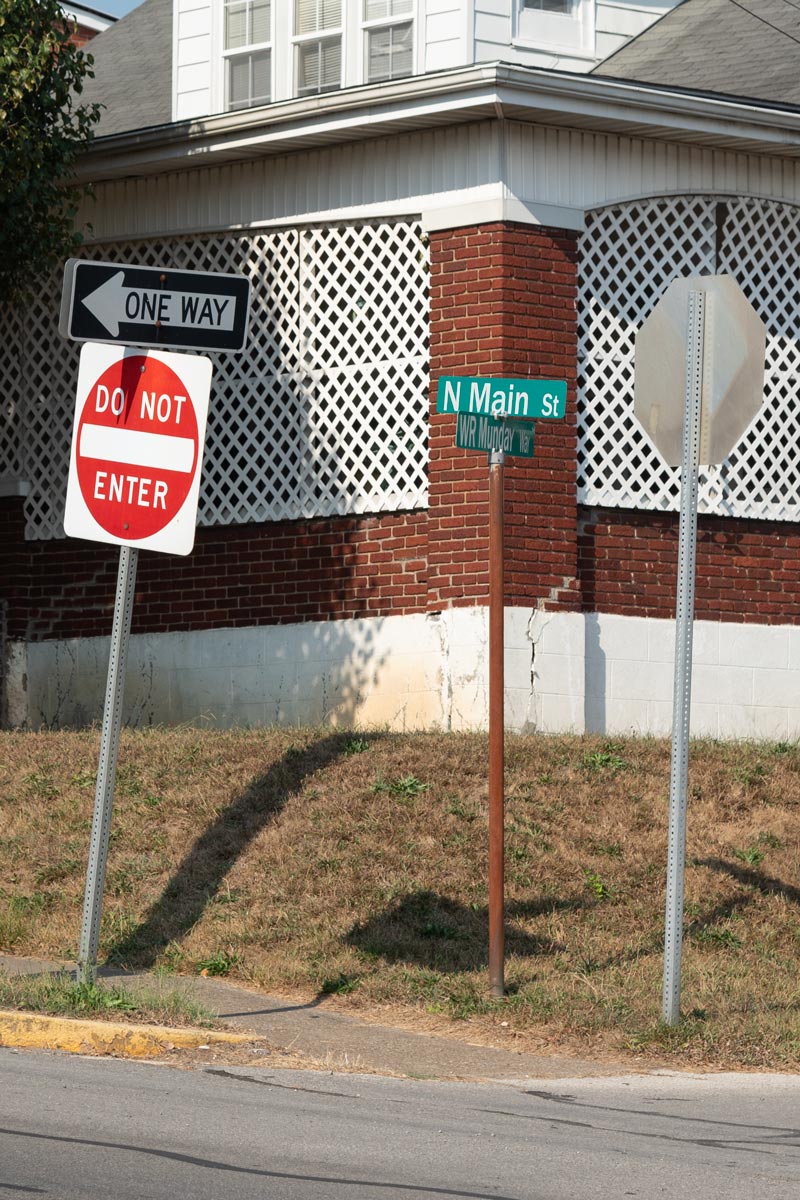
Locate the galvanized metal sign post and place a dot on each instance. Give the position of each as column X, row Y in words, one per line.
column 134, row 479
column 682, row 686
column 496, row 416
column 107, row 766
column 705, row 340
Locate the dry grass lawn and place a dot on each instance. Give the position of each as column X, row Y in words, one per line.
column 311, row 862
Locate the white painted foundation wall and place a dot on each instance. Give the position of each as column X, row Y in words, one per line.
column 564, row 672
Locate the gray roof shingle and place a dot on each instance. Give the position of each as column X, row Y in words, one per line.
column 748, row 48
column 133, row 70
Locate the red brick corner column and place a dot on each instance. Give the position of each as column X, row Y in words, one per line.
column 503, row 304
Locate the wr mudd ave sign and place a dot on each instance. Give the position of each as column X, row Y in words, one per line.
column 137, row 448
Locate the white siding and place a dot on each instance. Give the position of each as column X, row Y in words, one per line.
column 445, row 34
column 449, row 33
column 615, row 21
column 193, row 65
column 556, row 173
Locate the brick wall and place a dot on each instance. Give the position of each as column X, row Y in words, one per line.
column 235, row 576
column 80, row 35
column 502, row 304
column 747, row 571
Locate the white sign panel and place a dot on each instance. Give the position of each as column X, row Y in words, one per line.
column 733, row 352
column 137, row 447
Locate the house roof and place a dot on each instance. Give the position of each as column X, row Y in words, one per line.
column 88, row 18
column 689, row 55
column 133, row 70
column 487, row 92
column 746, row 48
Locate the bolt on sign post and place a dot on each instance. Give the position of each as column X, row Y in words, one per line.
column 134, row 478
column 496, row 416
column 699, row 381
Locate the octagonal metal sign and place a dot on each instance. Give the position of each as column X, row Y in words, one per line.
column 734, row 347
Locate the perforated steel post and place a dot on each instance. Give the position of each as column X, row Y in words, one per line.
column 684, row 616
column 496, row 727
column 107, row 766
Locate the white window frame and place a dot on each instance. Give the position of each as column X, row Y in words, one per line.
column 242, row 51
column 556, row 33
column 367, row 26
column 317, row 36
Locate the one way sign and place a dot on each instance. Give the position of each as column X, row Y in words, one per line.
column 154, row 306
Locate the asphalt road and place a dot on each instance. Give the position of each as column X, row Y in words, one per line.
column 78, row 1128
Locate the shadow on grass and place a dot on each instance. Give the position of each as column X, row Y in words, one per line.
column 201, row 873
column 753, row 879
column 429, row 930
column 706, row 926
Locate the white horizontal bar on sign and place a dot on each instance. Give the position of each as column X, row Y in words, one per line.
column 159, row 451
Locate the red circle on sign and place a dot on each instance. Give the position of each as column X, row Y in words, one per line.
column 137, row 447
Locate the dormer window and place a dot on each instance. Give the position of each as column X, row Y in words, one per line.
column 563, row 26
column 317, row 46
column 566, row 7
column 388, row 39
column 247, row 42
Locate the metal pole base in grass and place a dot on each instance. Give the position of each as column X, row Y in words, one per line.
column 107, row 766
column 496, row 728
column 684, row 617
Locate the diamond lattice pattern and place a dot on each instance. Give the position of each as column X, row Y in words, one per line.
column 325, row 412
column 628, row 256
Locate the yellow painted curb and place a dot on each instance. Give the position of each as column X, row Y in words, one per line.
column 34, row 1031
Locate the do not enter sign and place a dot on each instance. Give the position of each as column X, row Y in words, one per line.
column 137, row 448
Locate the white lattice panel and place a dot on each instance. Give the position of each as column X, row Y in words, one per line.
column 324, row 413
column 11, row 376
column 628, row 256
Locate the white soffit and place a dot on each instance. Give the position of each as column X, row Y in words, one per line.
column 491, row 91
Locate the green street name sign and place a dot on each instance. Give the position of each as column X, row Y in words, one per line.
column 475, row 432
column 524, row 398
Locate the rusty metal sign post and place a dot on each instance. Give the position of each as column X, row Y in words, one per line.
column 496, row 416
column 497, row 460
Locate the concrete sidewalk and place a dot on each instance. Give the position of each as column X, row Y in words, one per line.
column 338, row 1040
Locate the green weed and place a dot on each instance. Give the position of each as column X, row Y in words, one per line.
column 406, row 786
column 60, row 994
column 219, row 963
column 752, row 856
column 356, row 746
column 41, row 783
column 603, row 760
column 340, row 985
column 84, row 779
column 609, row 849
column 715, row 936
column 16, row 917
column 749, row 776
column 596, row 885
